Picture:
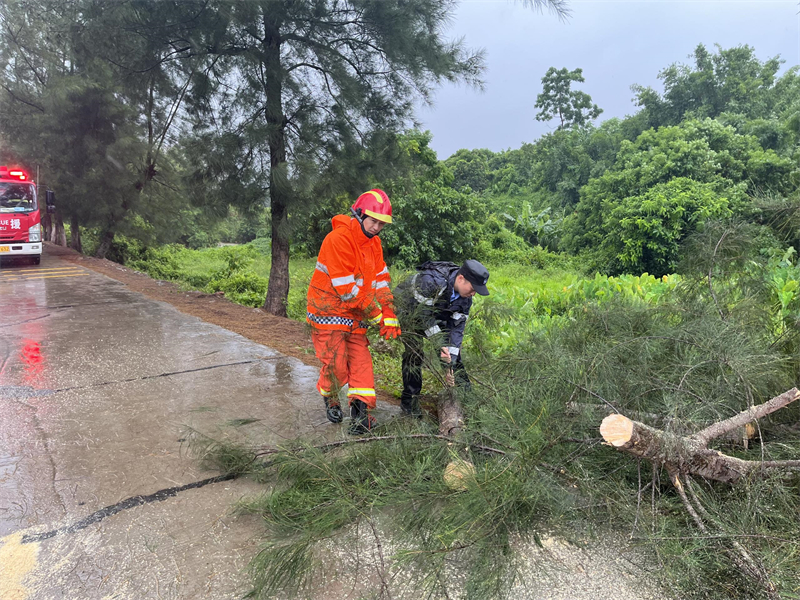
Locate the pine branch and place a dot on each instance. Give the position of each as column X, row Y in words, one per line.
column 710, row 272
column 744, row 560
column 591, row 393
column 377, row 438
column 747, row 416
column 18, row 99
column 385, row 592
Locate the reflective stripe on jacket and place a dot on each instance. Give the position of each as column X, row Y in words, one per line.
column 350, row 282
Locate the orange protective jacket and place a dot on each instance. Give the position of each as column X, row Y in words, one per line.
column 350, row 287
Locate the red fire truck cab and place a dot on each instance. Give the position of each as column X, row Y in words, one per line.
column 21, row 232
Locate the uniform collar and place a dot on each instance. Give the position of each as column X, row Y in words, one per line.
column 451, row 285
column 354, row 226
column 358, row 233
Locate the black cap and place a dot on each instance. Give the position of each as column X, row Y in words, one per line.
column 476, row 274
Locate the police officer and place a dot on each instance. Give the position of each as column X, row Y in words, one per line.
column 435, row 303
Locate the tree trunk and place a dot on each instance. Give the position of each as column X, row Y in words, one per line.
column 279, row 190
column 57, row 235
column 690, row 455
column 451, row 415
column 47, row 225
column 740, row 436
column 75, row 234
column 106, row 239
column 278, row 287
column 459, row 472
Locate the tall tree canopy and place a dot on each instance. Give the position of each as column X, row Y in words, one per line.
column 89, row 91
column 559, row 100
column 730, row 80
column 281, row 94
column 311, row 78
column 659, row 177
column 316, row 80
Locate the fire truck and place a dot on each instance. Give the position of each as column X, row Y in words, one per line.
column 21, row 232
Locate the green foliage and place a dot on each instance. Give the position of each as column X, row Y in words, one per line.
column 160, row 265
column 234, row 278
column 706, row 152
column 471, row 169
column 240, row 272
column 520, row 306
column 540, row 341
column 784, row 280
column 644, row 232
column 498, row 244
column 537, row 228
column 303, row 106
column 559, row 100
column 242, row 288
column 93, row 110
column 431, row 220
column 434, row 222
column 562, row 162
column 396, row 488
column 730, row 80
column 650, row 193
column 632, row 344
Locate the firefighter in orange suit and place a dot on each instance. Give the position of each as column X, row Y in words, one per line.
column 350, row 291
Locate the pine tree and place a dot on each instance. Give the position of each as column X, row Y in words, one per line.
column 680, row 367
column 301, row 80
column 90, row 93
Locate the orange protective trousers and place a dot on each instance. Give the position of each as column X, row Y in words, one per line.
column 345, row 359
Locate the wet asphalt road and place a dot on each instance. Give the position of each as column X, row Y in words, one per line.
column 97, row 387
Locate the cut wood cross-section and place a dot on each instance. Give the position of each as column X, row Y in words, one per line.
column 690, row 454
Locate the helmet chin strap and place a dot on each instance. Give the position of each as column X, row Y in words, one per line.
column 360, row 219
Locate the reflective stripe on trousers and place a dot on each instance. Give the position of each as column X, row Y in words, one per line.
column 345, row 359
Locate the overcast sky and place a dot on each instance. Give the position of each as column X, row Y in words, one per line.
column 617, row 43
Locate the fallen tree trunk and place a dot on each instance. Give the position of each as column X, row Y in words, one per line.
column 451, row 415
column 686, row 455
column 460, row 472
column 739, row 436
column 690, row 455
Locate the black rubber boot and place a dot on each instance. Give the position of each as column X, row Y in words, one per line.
column 410, row 407
column 333, row 411
column 361, row 421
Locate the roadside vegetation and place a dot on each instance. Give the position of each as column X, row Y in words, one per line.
column 644, row 266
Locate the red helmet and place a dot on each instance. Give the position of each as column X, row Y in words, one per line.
column 375, row 204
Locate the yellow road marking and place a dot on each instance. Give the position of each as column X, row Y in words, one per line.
column 24, row 275
column 42, row 270
column 38, row 272
column 38, row 276
column 12, row 273
column 42, row 277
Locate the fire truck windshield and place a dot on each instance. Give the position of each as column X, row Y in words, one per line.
column 17, row 197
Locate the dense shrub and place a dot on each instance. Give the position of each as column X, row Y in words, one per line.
column 159, row 263
column 241, row 287
column 644, row 233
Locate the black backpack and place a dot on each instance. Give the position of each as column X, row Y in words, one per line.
column 443, row 267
